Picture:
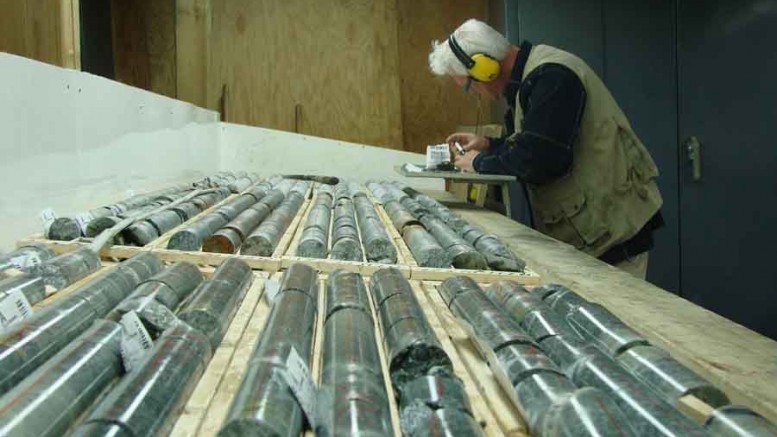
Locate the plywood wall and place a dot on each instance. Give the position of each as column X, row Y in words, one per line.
column 44, row 30
column 144, row 44
column 326, row 68
column 352, row 70
column 432, row 107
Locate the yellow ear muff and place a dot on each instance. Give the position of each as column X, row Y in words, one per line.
column 485, row 68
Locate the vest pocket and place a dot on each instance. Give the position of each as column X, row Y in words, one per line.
column 574, row 221
column 642, row 164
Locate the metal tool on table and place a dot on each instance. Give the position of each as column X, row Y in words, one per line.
column 327, row 180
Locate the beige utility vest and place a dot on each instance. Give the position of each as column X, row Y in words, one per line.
column 610, row 192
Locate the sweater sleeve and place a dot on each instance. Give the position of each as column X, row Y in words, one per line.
column 552, row 98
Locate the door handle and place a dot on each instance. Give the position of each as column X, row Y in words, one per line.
column 693, row 149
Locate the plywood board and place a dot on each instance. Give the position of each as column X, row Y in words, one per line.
column 34, row 29
column 192, row 38
column 327, row 68
column 433, row 106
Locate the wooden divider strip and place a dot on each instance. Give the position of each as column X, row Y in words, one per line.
column 201, row 398
column 276, row 263
column 318, row 339
column 330, row 265
column 384, row 364
column 233, row 375
column 434, row 274
column 288, row 234
column 506, row 414
column 215, row 259
column 291, row 249
column 404, row 255
column 161, row 242
column 480, row 408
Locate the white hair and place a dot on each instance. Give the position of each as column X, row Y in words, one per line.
column 473, row 36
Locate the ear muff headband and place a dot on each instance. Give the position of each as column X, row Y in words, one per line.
column 480, row 66
column 462, row 56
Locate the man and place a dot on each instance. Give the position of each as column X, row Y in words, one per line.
column 590, row 180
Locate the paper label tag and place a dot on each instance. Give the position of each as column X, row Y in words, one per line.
column 297, row 375
column 14, row 308
column 136, row 343
column 116, row 210
column 271, row 289
column 436, row 154
column 83, row 219
column 412, row 168
column 25, row 261
column 47, row 217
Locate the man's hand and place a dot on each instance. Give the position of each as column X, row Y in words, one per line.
column 464, row 162
column 468, row 141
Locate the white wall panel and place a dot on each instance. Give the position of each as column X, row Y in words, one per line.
column 71, row 141
column 267, row 152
